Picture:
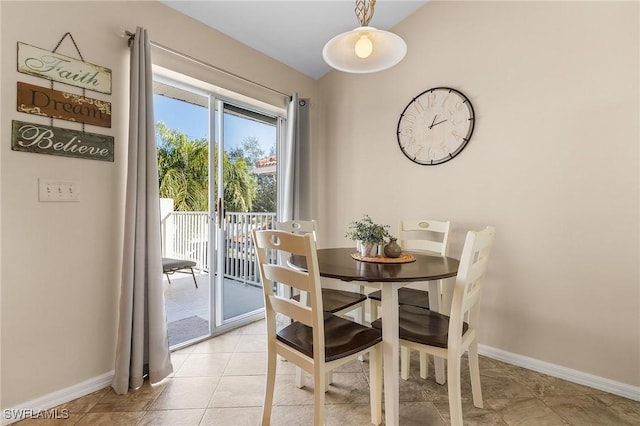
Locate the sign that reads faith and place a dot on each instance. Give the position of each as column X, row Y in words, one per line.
column 30, row 137
column 54, row 66
column 66, row 106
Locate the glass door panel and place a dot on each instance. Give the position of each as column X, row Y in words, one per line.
column 249, row 202
column 182, row 139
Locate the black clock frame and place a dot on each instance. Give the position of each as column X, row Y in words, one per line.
column 466, row 139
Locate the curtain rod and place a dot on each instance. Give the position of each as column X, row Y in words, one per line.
column 129, row 35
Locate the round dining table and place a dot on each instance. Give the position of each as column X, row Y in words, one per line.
column 339, row 263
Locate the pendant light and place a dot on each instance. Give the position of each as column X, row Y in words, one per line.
column 364, row 49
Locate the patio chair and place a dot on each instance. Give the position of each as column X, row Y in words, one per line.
column 171, row 266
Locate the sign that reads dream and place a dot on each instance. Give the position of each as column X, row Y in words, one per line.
column 66, row 106
column 54, row 66
column 30, row 137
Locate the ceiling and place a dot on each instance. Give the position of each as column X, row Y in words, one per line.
column 294, row 31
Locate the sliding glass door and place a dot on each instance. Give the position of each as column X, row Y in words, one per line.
column 246, row 199
column 217, row 164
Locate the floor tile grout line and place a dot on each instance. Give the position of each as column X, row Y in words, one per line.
column 547, row 393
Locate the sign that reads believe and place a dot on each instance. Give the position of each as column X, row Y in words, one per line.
column 66, row 106
column 54, row 66
column 30, row 137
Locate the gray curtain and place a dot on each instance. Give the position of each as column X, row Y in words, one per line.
column 143, row 345
column 296, row 163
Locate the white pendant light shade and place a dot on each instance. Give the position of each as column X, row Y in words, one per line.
column 364, row 50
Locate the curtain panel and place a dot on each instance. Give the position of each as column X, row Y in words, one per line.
column 295, row 167
column 142, row 344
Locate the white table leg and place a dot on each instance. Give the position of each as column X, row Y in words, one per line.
column 435, row 304
column 390, row 353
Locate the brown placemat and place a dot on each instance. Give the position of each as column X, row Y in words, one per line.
column 404, row 258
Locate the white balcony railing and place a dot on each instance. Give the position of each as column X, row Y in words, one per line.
column 186, row 236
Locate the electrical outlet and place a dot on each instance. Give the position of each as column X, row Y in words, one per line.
column 53, row 190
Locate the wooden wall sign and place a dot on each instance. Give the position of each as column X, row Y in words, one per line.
column 66, row 106
column 30, row 137
column 54, row 66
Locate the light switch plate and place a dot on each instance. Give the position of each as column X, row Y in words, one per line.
column 54, row 190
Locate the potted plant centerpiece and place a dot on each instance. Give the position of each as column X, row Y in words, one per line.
column 368, row 235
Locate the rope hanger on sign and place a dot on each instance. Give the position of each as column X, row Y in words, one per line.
column 68, row 34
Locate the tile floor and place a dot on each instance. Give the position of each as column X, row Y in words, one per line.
column 220, row 382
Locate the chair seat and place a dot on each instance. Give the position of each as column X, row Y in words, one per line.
column 406, row 296
column 342, row 337
column 336, row 300
column 169, row 265
column 422, row 326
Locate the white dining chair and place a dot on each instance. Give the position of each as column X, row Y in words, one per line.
column 337, row 302
column 316, row 341
column 422, row 235
column 450, row 336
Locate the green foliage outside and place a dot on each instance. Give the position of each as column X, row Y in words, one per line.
column 265, row 199
column 183, row 174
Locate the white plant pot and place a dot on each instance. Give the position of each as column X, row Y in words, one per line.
column 367, row 249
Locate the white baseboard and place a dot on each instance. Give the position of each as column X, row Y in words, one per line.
column 575, row 376
column 47, row 402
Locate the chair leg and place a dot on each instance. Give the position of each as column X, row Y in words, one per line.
column 375, row 384
column 359, row 317
column 474, row 369
column 328, row 379
column 405, row 362
column 168, row 279
column 304, row 300
column 194, row 278
column 269, row 388
column 439, row 364
column 455, row 397
column 299, row 378
column 373, row 310
column 319, row 385
column 363, row 307
column 424, row 365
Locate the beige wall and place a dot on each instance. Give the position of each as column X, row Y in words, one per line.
column 553, row 164
column 61, row 261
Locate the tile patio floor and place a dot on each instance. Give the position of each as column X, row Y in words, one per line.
column 184, row 300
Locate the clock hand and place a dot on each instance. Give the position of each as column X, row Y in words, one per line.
column 439, row 122
column 434, row 120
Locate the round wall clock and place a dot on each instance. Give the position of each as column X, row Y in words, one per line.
column 435, row 126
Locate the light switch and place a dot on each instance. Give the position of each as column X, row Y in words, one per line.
column 53, row 190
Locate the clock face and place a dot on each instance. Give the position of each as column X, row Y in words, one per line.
column 435, row 126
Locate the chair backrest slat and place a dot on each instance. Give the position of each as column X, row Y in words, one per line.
column 282, row 274
column 292, row 309
column 298, row 227
column 425, row 235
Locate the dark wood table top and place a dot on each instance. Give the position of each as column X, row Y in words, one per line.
column 338, row 263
